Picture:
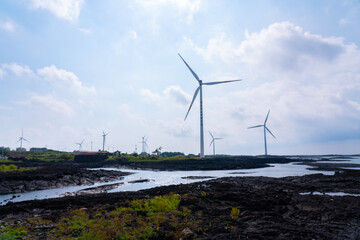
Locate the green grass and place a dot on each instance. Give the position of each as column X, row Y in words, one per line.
column 136, row 219
column 14, row 168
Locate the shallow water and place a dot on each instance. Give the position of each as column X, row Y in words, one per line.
column 339, row 194
column 165, row 178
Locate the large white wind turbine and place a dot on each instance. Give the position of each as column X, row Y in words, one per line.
column 213, row 142
column 201, row 83
column 265, row 129
column 22, row 138
column 104, row 136
column 80, row 144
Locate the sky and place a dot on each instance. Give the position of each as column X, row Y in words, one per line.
column 70, row 69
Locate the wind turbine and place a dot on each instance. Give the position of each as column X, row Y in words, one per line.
column 144, row 145
column 201, row 83
column 22, row 138
column 213, row 142
column 265, row 129
column 104, row 136
column 80, row 144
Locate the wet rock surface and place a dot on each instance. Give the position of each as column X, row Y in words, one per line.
column 53, row 177
column 209, row 163
column 269, row 208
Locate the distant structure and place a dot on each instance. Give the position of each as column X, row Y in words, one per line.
column 90, row 156
column 35, row 149
column 80, row 144
column 21, row 149
column 21, row 140
column 144, row 146
column 104, row 138
column 135, row 150
column 213, row 142
column 265, row 129
column 201, row 105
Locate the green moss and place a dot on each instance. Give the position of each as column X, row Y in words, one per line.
column 10, row 234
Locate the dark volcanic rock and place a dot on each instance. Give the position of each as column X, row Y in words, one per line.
column 53, row 177
column 270, row 208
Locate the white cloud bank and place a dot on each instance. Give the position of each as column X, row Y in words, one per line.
column 7, row 25
column 188, row 7
column 310, row 82
column 58, row 77
column 64, row 78
column 64, row 9
column 18, row 70
column 174, row 93
column 49, row 103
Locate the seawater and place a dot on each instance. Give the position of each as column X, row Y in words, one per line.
column 165, row 178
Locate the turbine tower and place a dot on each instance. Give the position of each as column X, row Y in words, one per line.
column 144, row 145
column 201, row 83
column 22, row 138
column 80, row 144
column 213, row 142
column 265, row 129
column 104, row 136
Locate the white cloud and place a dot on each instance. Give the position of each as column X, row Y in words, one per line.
column 344, row 21
column 85, row 31
column 355, row 105
column 65, row 9
column 218, row 47
column 174, row 93
column 49, row 103
column 188, row 7
column 17, row 69
column 126, row 111
column 64, row 78
column 177, row 129
column 287, row 48
column 8, row 25
column 133, row 34
column 1, row 73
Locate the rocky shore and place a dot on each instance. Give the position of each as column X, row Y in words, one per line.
column 266, row 208
column 53, row 177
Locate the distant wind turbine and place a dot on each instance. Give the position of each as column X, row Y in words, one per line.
column 201, row 105
column 104, row 136
column 144, row 145
column 80, row 144
column 22, row 138
column 213, row 142
column 265, row 129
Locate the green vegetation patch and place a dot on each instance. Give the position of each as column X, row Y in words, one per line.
column 14, row 168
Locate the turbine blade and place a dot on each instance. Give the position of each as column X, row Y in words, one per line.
column 270, row 132
column 219, row 82
column 211, row 135
column 195, row 94
column 211, row 142
column 267, row 117
column 26, row 140
column 18, row 140
column 82, row 141
column 193, row 73
column 256, row 126
column 218, row 138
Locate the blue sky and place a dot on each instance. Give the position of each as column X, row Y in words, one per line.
column 72, row 68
